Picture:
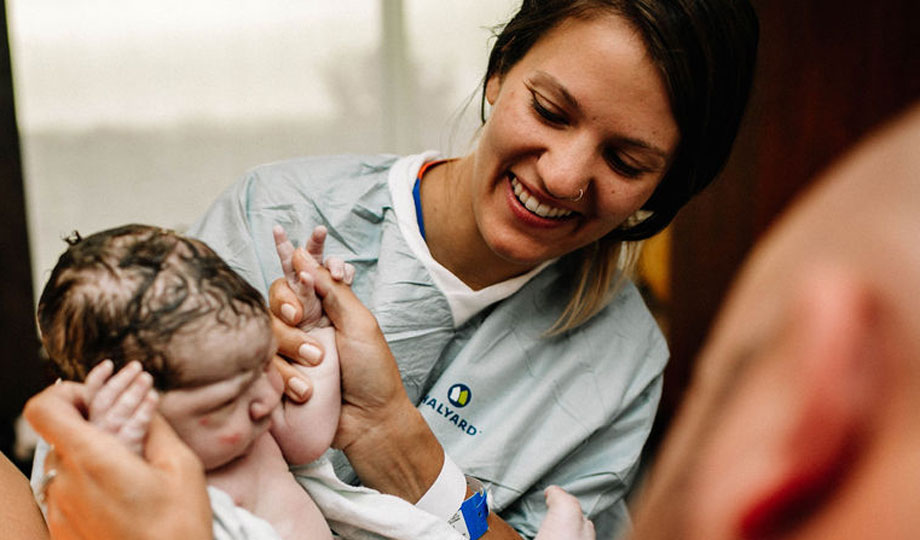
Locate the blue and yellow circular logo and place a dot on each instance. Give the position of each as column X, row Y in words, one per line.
column 459, row 395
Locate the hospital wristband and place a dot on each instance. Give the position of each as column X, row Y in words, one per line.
column 472, row 520
column 447, row 493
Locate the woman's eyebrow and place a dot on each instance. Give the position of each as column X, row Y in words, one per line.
column 542, row 77
column 545, row 78
column 644, row 146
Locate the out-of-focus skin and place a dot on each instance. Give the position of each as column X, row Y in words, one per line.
column 20, row 515
column 104, row 490
column 801, row 421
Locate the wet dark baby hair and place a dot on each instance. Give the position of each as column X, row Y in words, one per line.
column 121, row 294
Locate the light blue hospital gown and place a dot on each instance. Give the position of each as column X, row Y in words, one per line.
column 513, row 408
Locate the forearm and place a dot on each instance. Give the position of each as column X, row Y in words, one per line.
column 396, row 453
column 402, row 457
column 21, row 516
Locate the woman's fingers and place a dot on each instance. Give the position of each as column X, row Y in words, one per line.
column 283, row 302
column 297, row 386
column 295, row 344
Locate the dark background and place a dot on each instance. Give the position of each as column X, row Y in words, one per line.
column 828, row 72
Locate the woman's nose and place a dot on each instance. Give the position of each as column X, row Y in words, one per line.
column 565, row 167
column 266, row 394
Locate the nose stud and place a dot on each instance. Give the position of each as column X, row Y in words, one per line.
column 581, row 193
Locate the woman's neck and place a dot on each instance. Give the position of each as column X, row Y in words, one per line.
column 452, row 234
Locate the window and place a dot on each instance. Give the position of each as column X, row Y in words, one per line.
column 138, row 111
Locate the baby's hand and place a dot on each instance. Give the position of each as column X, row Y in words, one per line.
column 564, row 518
column 123, row 404
column 302, row 284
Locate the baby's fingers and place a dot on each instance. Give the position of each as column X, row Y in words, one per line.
column 134, row 430
column 285, row 250
column 339, row 269
column 95, row 379
column 106, row 396
column 316, row 243
column 125, row 406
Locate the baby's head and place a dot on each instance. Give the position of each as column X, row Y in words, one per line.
column 142, row 293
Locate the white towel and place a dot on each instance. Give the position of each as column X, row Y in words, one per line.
column 360, row 513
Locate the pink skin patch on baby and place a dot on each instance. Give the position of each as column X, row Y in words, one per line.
column 232, row 439
column 204, row 421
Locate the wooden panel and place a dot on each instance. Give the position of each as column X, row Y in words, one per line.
column 828, row 71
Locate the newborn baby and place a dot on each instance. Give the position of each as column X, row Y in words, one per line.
column 182, row 323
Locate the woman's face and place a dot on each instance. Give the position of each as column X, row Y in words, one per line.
column 585, row 111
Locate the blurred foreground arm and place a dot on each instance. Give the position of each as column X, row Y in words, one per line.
column 21, row 517
column 103, row 490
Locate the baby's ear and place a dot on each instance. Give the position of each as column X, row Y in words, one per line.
column 833, row 345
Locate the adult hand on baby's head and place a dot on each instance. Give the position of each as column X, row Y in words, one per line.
column 103, row 490
column 122, row 404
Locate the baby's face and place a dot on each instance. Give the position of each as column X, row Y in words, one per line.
column 228, row 387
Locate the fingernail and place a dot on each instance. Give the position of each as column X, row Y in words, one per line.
column 310, row 353
column 298, row 386
column 288, row 312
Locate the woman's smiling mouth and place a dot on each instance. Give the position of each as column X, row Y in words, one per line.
column 535, row 206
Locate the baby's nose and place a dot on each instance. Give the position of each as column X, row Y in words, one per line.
column 267, row 395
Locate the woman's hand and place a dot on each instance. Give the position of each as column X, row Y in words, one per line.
column 103, row 490
column 384, row 436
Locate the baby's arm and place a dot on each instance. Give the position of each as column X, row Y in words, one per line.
column 122, row 404
column 305, row 431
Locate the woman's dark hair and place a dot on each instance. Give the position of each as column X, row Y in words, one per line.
column 705, row 51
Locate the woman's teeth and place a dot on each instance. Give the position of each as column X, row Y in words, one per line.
column 531, row 203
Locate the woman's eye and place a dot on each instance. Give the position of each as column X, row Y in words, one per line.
column 545, row 112
column 618, row 164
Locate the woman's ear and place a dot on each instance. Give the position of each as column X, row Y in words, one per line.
column 838, row 380
column 493, row 86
